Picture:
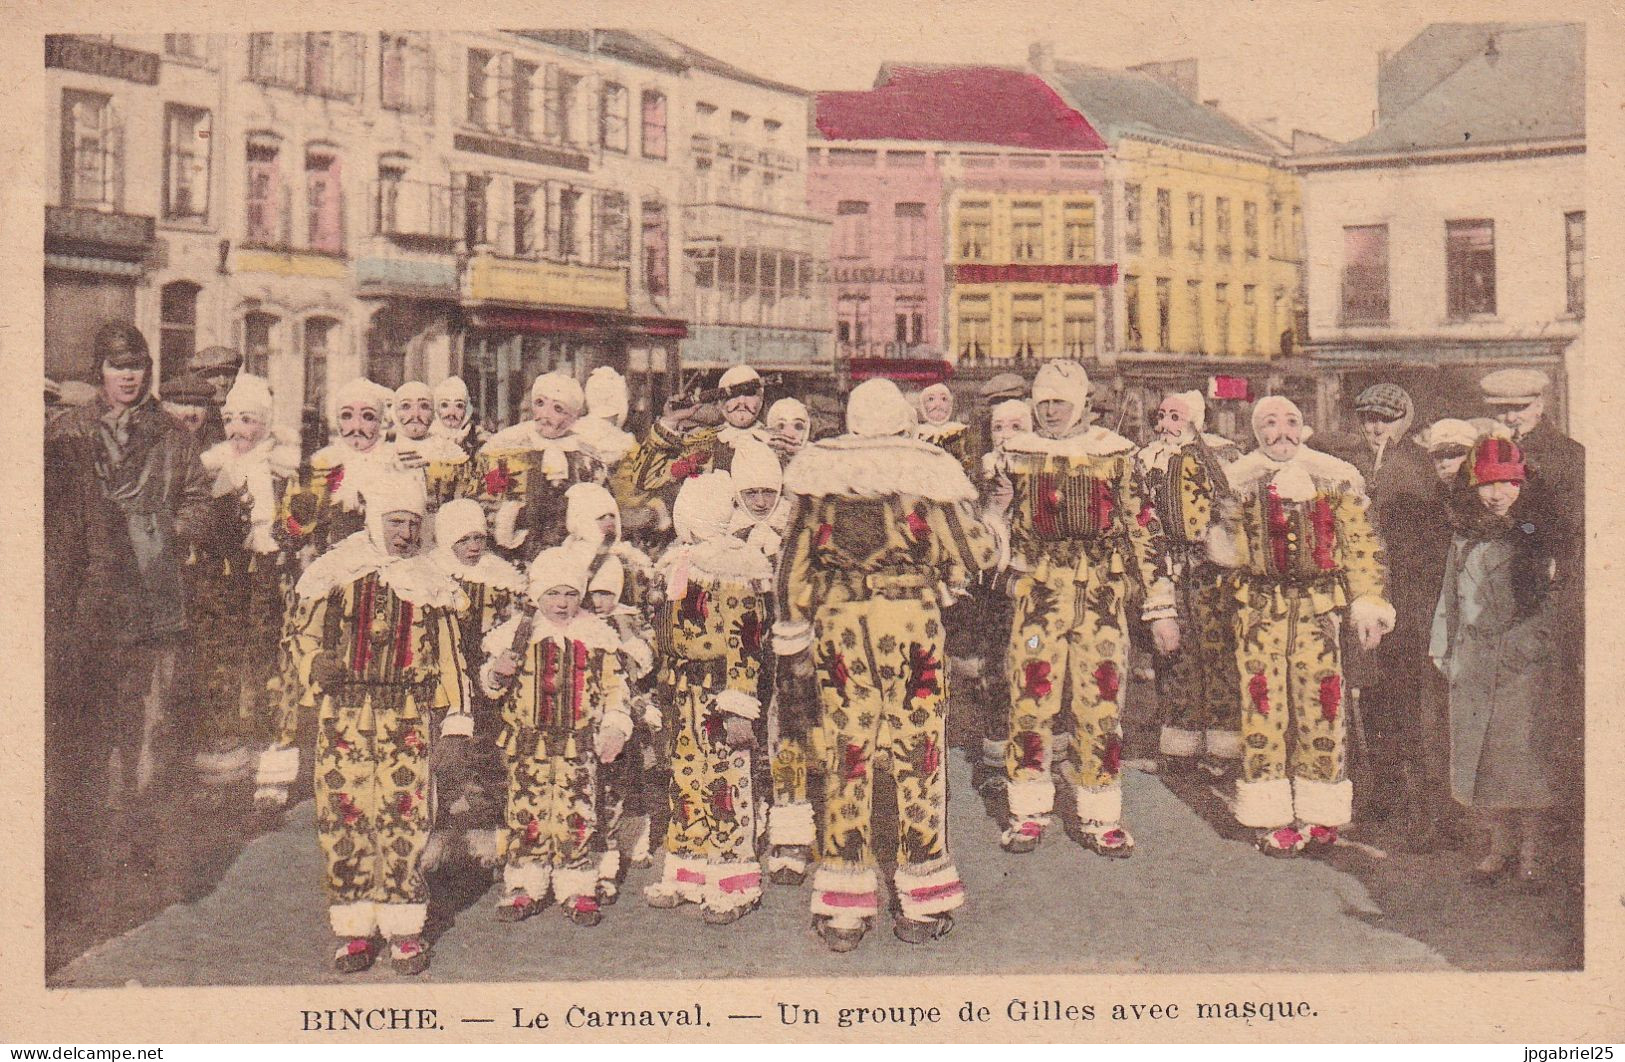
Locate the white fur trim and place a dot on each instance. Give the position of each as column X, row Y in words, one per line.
column 353, row 919
column 851, row 881
column 693, row 890
column 1031, row 800
column 277, row 767
column 609, row 864
column 504, row 526
column 1159, row 601
column 729, row 560
column 1323, row 803
column 1180, row 742
column 1224, row 546
column 868, row 467
column 607, row 442
column 341, row 565
column 1297, row 478
column 941, row 881
column 728, row 885
column 774, row 861
column 1369, row 609
column 530, row 877
column 1225, row 744
column 1104, row 805
column 616, row 722
column 1264, row 805
column 740, row 703
column 401, row 919
column 1093, row 442
column 491, row 570
column 422, row 582
column 571, row 882
column 791, row 824
column 484, row 846
column 791, row 638
column 458, row 724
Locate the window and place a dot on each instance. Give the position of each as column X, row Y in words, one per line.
column 479, row 87
column 975, row 326
column 568, row 234
column 177, row 328
column 613, row 227
column 258, row 329
column 476, row 188
column 1078, row 231
column 705, row 118
column 1249, row 313
column 1221, row 315
column 183, row 45
column 1221, row 228
column 559, row 105
column 518, row 94
column 654, row 124
column 1078, row 326
column 738, row 125
column 324, row 200
column 1165, row 224
column 1365, row 274
column 852, row 320
column 1193, row 308
column 852, row 229
column 612, row 117
column 1193, row 222
column 769, row 198
column 910, row 219
column 1131, row 313
column 1469, row 252
column 1027, row 326
column 702, row 179
column 320, row 64
column 318, row 340
column 1249, row 228
column 655, row 240
column 1574, row 253
column 1131, row 218
column 1165, row 313
column 391, row 180
column 1283, row 321
column 186, row 163
column 267, row 211
column 525, row 226
column 910, row 321
column 975, row 230
column 1279, row 245
column 405, row 73
column 1026, row 231
column 92, row 150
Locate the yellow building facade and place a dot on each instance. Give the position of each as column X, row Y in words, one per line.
column 1026, row 276
column 1208, row 245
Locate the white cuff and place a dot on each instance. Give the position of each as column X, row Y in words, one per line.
column 735, row 702
column 1222, row 548
column 1180, row 742
column 1103, row 806
column 1159, row 601
column 504, row 525
column 791, row 824
column 616, row 723
column 791, row 638
column 1367, row 609
column 488, row 680
column 1264, row 805
column 1323, row 803
column 1031, row 799
column 353, row 919
column 1225, row 744
column 457, row 724
column 277, row 767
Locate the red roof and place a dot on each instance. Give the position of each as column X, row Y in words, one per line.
column 959, row 104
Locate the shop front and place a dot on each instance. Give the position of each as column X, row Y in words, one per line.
column 94, row 261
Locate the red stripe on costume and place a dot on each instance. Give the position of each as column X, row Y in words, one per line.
column 740, row 882
column 849, row 899
column 578, row 680
column 936, row 892
column 1325, row 523
column 403, row 636
column 689, row 877
column 1275, row 515
column 363, row 620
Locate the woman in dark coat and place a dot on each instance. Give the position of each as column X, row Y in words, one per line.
column 1495, row 633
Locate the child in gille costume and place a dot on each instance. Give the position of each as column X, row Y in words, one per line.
column 556, row 672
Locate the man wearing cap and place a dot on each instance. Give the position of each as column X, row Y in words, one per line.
column 1517, row 397
column 218, row 367
column 375, row 646
column 191, row 402
column 1294, row 530
column 132, row 477
column 325, row 503
column 883, row 533
column 1183, row 469
column 523, row 472
column 1400, row 486
column 239, row 577
column 1081, row 528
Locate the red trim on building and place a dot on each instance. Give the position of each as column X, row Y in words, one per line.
column 907, row 370
column 545, row 322
column 1103, row 275
column 965, row 105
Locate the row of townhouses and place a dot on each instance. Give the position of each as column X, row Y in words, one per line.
column 500, row 203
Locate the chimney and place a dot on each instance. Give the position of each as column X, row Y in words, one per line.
column 1041, row 57
column 1177, row 74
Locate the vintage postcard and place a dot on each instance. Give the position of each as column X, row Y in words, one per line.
column 865, row 522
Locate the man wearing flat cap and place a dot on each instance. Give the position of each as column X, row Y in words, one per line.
column 1517, row 398
column 190, row 401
